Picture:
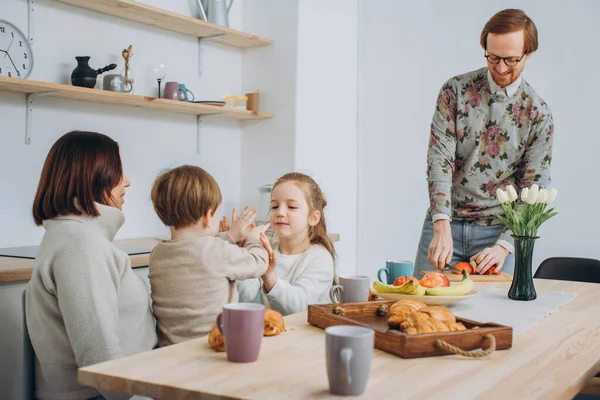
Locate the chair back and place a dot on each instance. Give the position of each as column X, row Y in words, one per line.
column 28, row 372
column 570, row 269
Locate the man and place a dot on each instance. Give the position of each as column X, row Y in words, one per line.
column 490, row 129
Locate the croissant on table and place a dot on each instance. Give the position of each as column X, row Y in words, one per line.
column 274, row 325
column 431, row 319
column 401, row 309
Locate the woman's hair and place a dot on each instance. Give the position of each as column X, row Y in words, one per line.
column 81, row 168
column 183, row 195
column 316, row 202
column 508, row 21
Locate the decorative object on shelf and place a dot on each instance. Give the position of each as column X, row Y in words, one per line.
column 201, row 11
column 117, row 83
column 172, row 91
column 128, row 73
column 185, row 94
column 16, row 56
column 235, row 101
column 85, row 76
column 218, row 11
column 253, row 101
column 524, row 220
column 159, row 72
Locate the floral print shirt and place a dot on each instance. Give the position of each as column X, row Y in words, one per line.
column 481, row 141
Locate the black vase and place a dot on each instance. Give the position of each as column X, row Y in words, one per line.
column 85, row 76
column 522, row 287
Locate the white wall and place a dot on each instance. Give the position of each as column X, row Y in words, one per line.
column 149, row 140
column 405, row 56
column 326, row 135
column 268, row 146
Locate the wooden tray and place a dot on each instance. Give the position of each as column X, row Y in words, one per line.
column 402, row 344
column 503, row 277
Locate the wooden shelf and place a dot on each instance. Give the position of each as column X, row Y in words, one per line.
column 148, row 15
column 18, row 85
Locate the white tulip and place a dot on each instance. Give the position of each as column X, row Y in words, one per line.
column 512, row 193
column 524, row 194
column 502, row 196
column 551, row 195
column 542, row 196
column 532, row 194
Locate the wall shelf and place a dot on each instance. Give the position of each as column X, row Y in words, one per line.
column 134, row 11
column 18, row 85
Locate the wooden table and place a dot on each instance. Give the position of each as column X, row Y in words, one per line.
column 551, row 360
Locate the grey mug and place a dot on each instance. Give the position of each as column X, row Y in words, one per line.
column 351, row 289
column 348, row 354
column 116, row 83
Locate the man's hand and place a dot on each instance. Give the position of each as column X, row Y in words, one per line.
column 490, row 256
column 441, row 247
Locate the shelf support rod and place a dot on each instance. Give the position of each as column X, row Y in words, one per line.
column 30, row 9
column 29, row 112
column 199, row 128
column 201, row 41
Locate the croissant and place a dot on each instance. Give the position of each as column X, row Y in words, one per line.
column 431, row 319
column 274, row 323
column 400, row 310
column 216, row 340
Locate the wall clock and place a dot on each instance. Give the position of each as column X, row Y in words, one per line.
column 16, row 56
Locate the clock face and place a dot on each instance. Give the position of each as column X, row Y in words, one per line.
column 16, row 57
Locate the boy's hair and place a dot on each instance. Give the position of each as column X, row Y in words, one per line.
column 316, row 202
column 183, row 195
column 81, row 169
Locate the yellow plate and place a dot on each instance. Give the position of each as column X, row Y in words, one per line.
column 429, row 300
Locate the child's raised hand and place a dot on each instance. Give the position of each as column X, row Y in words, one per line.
column 242, row 225
column 224, row 224
column 267, row 245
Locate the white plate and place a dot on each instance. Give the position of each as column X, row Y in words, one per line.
column 429, row 300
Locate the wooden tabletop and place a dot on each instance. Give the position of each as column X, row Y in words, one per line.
column 14, row 269
column 551, row 360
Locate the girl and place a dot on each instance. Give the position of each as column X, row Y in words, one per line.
column 301, row 270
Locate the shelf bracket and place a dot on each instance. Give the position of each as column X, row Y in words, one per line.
column 198, row 128
column 201, row 41
column 29, row 112
column 30, row 9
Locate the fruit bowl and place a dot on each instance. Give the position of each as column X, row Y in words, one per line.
column 427, row 299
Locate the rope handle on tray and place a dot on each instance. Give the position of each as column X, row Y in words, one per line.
column 442, row 344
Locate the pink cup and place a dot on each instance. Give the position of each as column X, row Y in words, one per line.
column 242, row 325
column 171, row 91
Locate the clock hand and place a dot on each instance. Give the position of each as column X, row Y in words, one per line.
column 11, row 61
column 11, row 42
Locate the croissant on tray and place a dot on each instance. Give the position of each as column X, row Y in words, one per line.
column 431, row 319
column 401, row 309
column 274, row 325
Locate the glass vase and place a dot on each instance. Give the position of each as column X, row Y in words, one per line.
column 522, row 287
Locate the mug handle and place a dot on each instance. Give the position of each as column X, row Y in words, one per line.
column 190, row 92
column 130, row 86
column 220, row 323
column 333, row 293
column 345, row 357
column 381, row 271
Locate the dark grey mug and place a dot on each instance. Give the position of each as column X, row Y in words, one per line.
column 352, row 289
column 348, row 353
column 116, row 83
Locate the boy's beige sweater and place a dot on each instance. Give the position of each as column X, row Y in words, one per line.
column 192, row 279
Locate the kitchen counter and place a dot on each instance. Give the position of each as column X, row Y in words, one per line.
column 19, row 269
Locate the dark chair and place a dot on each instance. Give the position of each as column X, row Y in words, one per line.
column 28, row 378
column 569, row 269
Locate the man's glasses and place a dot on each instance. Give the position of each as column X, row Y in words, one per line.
column 508, row 61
